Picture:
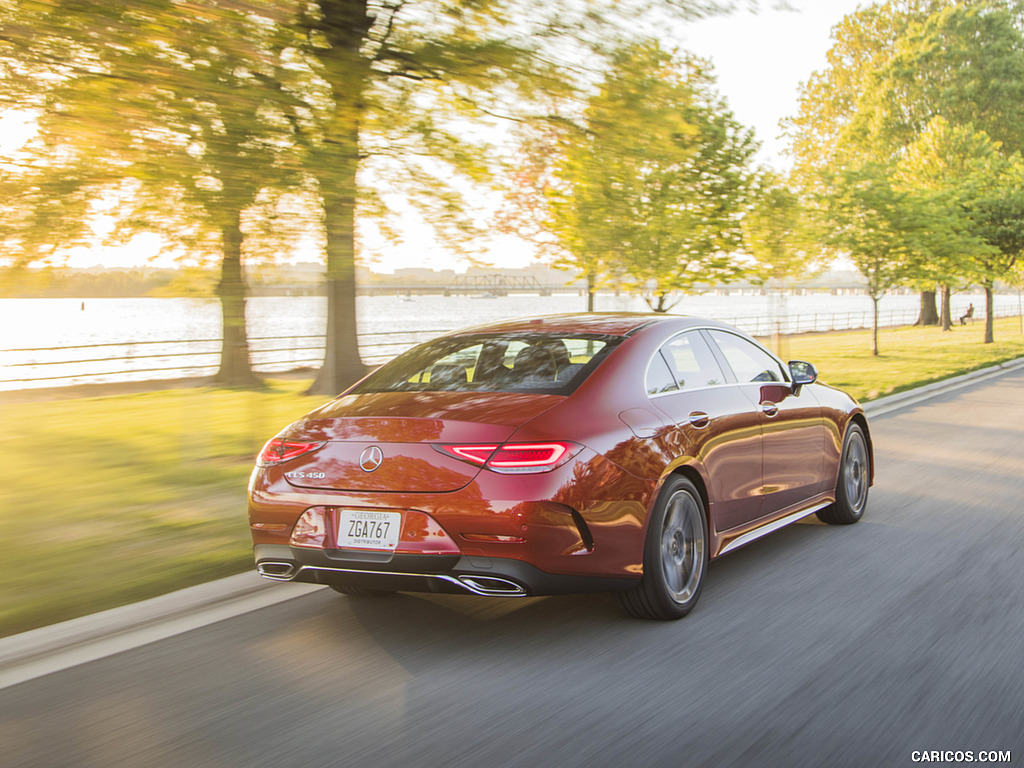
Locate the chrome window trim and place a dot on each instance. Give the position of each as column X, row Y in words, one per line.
column 688, row 390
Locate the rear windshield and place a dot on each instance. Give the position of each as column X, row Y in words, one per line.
column 510, row 362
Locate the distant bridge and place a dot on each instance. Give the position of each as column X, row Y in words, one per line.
column 479, row 285
column 496, row 285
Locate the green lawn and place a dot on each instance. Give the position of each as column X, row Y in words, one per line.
column 908, row 356
column 106, row 500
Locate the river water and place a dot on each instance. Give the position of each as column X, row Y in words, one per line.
column 55, row 342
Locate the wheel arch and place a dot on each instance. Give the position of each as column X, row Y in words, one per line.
column 861, row 421
column 690, row 472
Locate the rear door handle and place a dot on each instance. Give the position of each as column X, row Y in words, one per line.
column 699, row 419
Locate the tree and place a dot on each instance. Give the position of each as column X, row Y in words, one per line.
column 878, row 227
column 825, row 132
column 777, row 230
column 1000, row 223
column 379, row 94
column 176, row 113
column 653, row 183
column 952, row 167
column 964, row 63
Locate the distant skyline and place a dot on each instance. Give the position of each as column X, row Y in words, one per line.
column 759, row 61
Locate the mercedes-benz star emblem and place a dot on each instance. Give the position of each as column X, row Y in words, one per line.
column 371, row 458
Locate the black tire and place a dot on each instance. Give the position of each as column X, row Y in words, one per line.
column 675, row 556
column 853, row 482
column 360, row 591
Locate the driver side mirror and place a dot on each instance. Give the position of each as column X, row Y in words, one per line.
column 802, row 373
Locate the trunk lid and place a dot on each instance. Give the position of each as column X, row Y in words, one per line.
column 384, row 441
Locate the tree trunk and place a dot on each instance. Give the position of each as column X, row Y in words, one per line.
column 342, row 364
column 989, row 313
column 235, row 366
column 590, row 291
column 344, row 26
column 947, row 312
column 928, row 314
column 660, row 306
column 874, row 325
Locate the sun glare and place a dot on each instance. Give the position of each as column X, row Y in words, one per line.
column 16, row 128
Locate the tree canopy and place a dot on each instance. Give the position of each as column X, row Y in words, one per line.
column 649, row 185
column 930, row 94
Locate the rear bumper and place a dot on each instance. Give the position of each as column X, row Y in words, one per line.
column 458, row 574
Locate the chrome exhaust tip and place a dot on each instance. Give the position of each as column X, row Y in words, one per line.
column 491, row 586
column 277, row 571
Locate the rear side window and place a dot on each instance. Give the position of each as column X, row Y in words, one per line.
column 659, row 377
column 692, row 362
column 518, row 362
column 684, row 362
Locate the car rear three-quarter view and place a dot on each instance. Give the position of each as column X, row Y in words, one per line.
column 570, row 453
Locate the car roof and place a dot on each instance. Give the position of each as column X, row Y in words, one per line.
column 611, row 323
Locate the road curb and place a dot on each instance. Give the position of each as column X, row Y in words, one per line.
column 39, row 652
column 889, row 403
column 42, row 651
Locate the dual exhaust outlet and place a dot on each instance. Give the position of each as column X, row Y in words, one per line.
column 487, row 586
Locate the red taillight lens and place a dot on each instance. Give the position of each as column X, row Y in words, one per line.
column 278, row 450
column 515, row 457
column 522, row 455
column 474, row 454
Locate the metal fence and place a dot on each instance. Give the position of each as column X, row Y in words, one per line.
column 173, row 358
column 169, row 359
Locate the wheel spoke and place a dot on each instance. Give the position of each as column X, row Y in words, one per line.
column 682, row 546
column 855, row 472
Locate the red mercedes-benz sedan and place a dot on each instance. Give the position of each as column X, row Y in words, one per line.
column 566, row 453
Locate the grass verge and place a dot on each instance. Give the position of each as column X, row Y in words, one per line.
column 908, row 356
column 107, row 500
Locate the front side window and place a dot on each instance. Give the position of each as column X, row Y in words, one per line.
column 513, row 362
column 748, row 361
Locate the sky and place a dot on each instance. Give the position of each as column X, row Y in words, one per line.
column 759, row 60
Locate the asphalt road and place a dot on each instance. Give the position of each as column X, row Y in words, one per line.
column 816, row 646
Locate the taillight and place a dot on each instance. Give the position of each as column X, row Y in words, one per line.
column 513, row 458
column 278, row 450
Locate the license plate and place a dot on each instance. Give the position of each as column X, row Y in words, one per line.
column 362, row 529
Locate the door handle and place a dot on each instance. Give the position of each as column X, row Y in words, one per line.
column 699, row 419
column 769, row 409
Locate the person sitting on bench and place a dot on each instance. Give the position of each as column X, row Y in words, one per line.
column 967, row 315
